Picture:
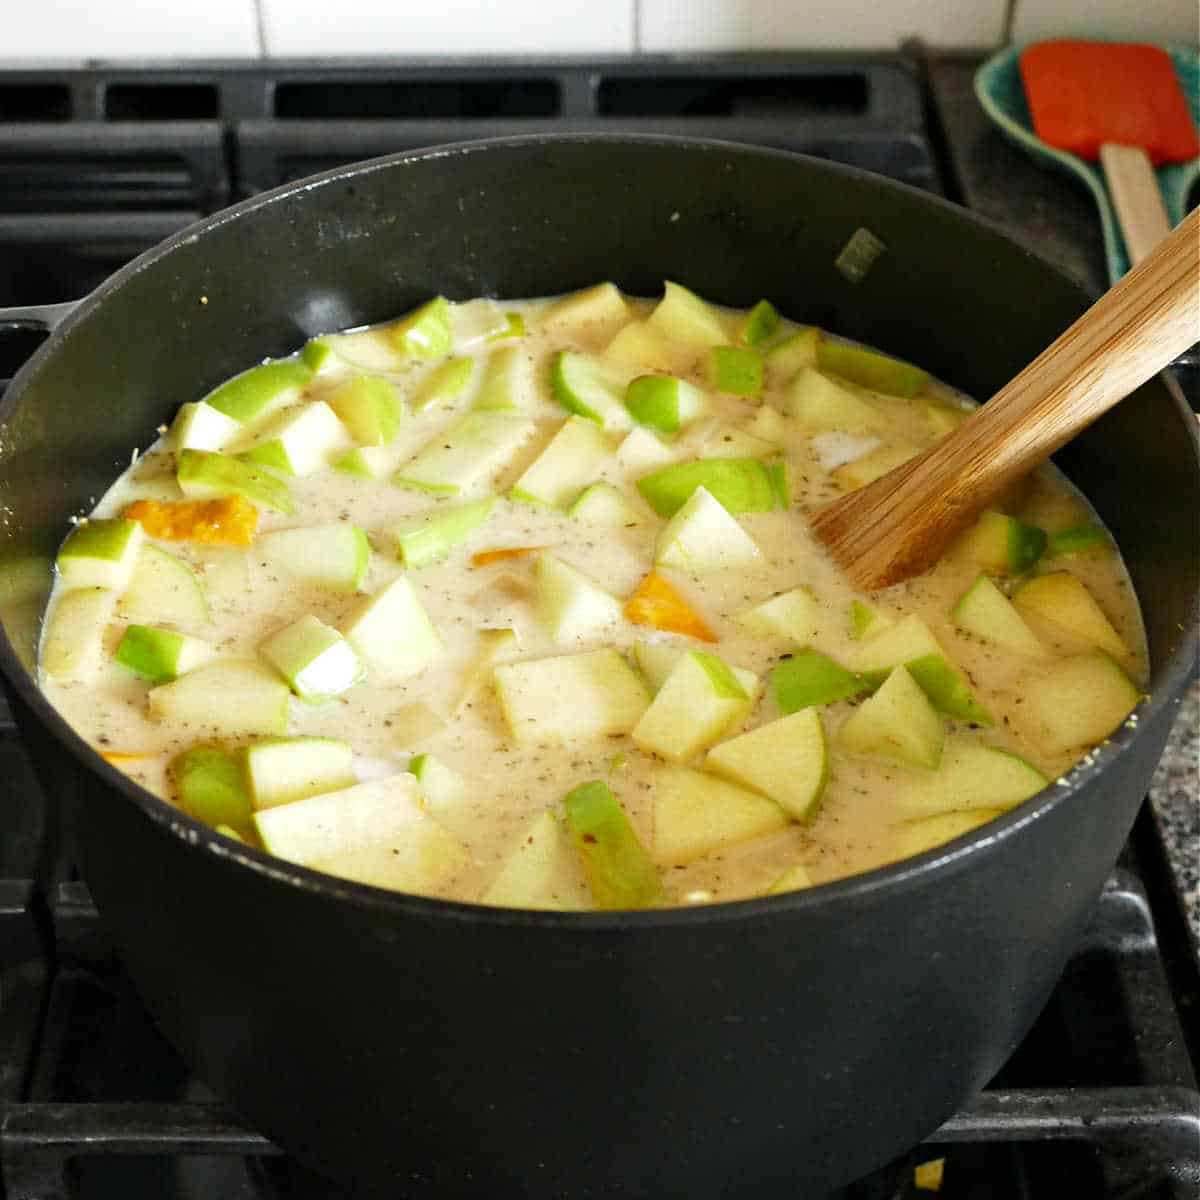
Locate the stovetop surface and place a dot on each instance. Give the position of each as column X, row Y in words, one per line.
column 1100, row 1099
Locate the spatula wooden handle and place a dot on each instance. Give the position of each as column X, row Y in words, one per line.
column 900, row 525
column 1136, row 198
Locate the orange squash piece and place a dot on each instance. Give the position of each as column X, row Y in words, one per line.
column 227, row 520
column 485, row 557
column 657, row 603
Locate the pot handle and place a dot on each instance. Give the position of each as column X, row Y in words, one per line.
column 36, row 316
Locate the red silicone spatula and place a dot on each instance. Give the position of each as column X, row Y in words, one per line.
column 1123, row 105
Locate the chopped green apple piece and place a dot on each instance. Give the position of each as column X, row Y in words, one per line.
column 818, row 403
column 573, row 697
column 656, row 661
column 793, row 615
column 514, row 327
column 910, row 642
column 392, row 631
column 254, row 394
column 423, row 333
column 789, row 356
column 794, row 879
column 73, row 643
column 735, row 370
column 619, row 871
column 1076, row 702
column 641, row 450
column 369, row 407
column 467, row 454
column 364, row 462
column 199, row 426
column 1065, row 602
column 298, row 441
column 697, row 702
column 972, row 776
column 760, row 325
column 571, row 606
column 211, row 786
column 682, row 316
column 867, row 619
column 870, row 369
column 873, row 465
column 897, row 722
column 332, row 823
column 317, row 662
column 984, row 610
column 915, row 837
column 319, row 355
column 161, row 655
column 786, row 760
column 203, row 700
column 444, row 382
column 476, row 321
column 1002, row 544
column 1078, row 539
column 809, row 678
column 507, row 384
column 640, row 345
column 527, row 876
column 592, row 387
column 585, row 312
column 664, row 402
column 943, row 419
column 696, row 814
column 602, row 504
column 421, row 859
column 205, row 475
column 286, row 769
column 441, row 786
column 769, row 424
column 164, row 589
column 495, row 646
column 726, row 442
column 335, row 555
column 702, row 536
column 430, row 535
column 575, row 452
column 738, row 484
column 101, row 553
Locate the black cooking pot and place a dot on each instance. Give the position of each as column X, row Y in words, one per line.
column 426, row 1049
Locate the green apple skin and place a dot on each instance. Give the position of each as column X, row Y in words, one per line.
column 101, row 553
column 809, row 678
column 663, row 402
column 736, row 370
column 432, row 535
column 869, row 369
column 1079, row 539
column 592, row 387
column 211, row 785
column 369, row 407
column 251, row 394
column 1000, row 543
column 761, row 324
column 426, row 331
column 204, row 474
column 737, row 484
column 463, row 455
column 618, row 868
column 515, row 329
column 787, row 357
column 160, row 655
column 363, row 462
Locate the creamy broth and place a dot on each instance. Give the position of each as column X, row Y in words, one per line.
column 861, row 818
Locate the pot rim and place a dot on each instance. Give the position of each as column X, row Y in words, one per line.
column 953, row 856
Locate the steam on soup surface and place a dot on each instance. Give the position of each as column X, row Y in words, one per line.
column 516, row 603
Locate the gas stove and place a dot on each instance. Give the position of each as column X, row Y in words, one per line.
column 98, row 163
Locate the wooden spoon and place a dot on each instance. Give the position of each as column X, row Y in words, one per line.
column 899, row 525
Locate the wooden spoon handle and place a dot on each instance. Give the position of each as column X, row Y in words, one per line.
column 900, row 524
column 1136, row 198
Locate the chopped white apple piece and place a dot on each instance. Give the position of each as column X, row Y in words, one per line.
column 573, row 697
column 703, row 536
column 476, row 321
column 299, row 441
column 422, row 859
column 1066, row 603
column 100, row 554
column 202, row 700
column 164, row 590
column 727, row 442
column 369, row 407
column 441, row 786
column 794, row 879
column 590, row 312
column 73, row 642
column 696, row 814
column 640, row 345
column 260, row 391
column 769, row 424
column 571, row 606
column 335, row 555
column 314, row 658
column 793, row 615
column 897, row 722
column 791, row 355
column 915, row 837
column 873, row 465
column 432, row 534
column 682, row 316
column 495, row 646
column 413, row 723
column 575, row 452
column 642, row 451
column 1001, row 544
column 698, row 701
column 972, row 776
column 392, row 631
column 1074, row 703
column 467, row 454
column 984, row 610
column 592, row 387
column 527, row 876
column 364, row 462
column 602, row 504
column 161, row 655
column 199, row 426
column 443, row 383
column 286, row 769
column 206, row 475
column 508, row 381
column 656, row 661
column 818, row 403
column 786, row 760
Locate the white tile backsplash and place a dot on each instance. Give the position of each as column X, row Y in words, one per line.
column 708, row 25
column 1156, row 21
column 447, row 27
column 128, row 29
